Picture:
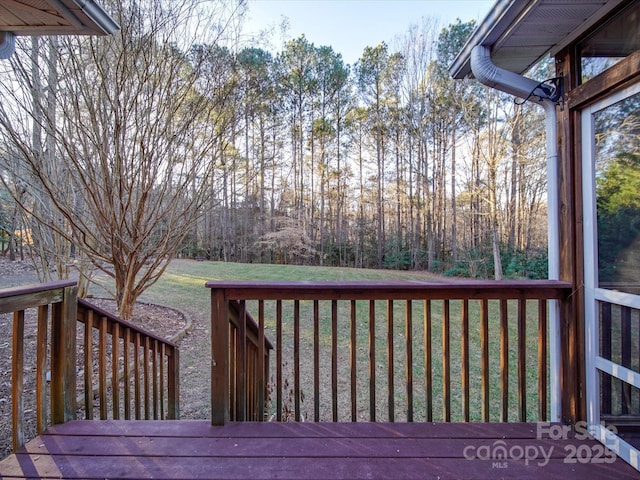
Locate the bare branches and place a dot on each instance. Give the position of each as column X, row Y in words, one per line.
column 129, row 138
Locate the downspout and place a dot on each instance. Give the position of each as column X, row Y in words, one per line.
column 545, row 95
column 7, row 45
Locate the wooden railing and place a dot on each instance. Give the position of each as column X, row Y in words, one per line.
column 104, row 343
column 55, row 302
column 465, row 350
column 247, row 379
column 133, row 374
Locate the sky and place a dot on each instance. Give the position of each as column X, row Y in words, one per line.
column 351, row 25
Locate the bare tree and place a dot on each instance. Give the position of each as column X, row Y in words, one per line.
column 134, row 134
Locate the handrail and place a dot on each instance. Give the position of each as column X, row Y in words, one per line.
column 151, row 361
column 339, row 329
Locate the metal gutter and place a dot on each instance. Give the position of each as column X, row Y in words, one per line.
column 67, row 14
column 502, row 13
column 520, row 32
column 101, row 20
column 96, row 13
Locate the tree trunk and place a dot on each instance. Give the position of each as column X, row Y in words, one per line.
column 454, row 209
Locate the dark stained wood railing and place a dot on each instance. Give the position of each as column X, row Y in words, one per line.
column 68, row 328
column 134, row 373
column 247, row 382
column 476, row 350
column 55, row 303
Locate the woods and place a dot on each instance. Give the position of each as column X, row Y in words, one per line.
column 174, row 137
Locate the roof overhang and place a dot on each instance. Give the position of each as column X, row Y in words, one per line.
column 51, row 17
column 521, row 32
column 55, row 17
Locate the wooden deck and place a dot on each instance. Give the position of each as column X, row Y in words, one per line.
column 195, row 449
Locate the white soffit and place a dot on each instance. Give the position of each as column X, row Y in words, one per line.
column 55, row 17
column 521, row 32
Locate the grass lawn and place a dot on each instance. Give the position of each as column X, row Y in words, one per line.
column 182, row 286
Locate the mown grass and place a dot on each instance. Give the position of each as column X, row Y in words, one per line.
column 182, row 286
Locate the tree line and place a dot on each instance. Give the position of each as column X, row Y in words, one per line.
column 174, row 137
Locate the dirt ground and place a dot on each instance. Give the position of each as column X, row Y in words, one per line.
column 165, row 322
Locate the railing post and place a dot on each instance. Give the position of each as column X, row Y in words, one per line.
column 63, row 357
column 17, row 380
column 219, row 358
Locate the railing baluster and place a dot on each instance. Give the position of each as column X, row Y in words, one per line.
column 17, row 380
column 484, row 347
column 464, row 342
column 255, row 373
column 261, row 361
column 247, row 385
column 296, row 359
column 163, row 354
column 279, row 360
column 126, row 354
column 136, row 381
column 154, row 376
column 353, row 352
column 372, row 360
column 253, row 384
column 542, row 360
column 88, row 365
column 522, row 359
column 409, row 358
column 390, row 362
column 173, row 390
column 233, row 372
column 446, row 362
column 316, row 360
column 241, row 363
column 428, row 362
column 115, row 368
column 102, row 367
column 146, row 378
column 334, row 360
column 41, row 368
column 504, row 361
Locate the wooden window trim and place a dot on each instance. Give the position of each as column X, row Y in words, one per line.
column 615, row 78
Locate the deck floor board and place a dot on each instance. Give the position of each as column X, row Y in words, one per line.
column 195, row 450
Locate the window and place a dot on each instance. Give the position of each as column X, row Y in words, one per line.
column 616, row 164
column 612, row 42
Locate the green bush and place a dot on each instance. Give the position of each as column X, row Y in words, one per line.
column 531, row 265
